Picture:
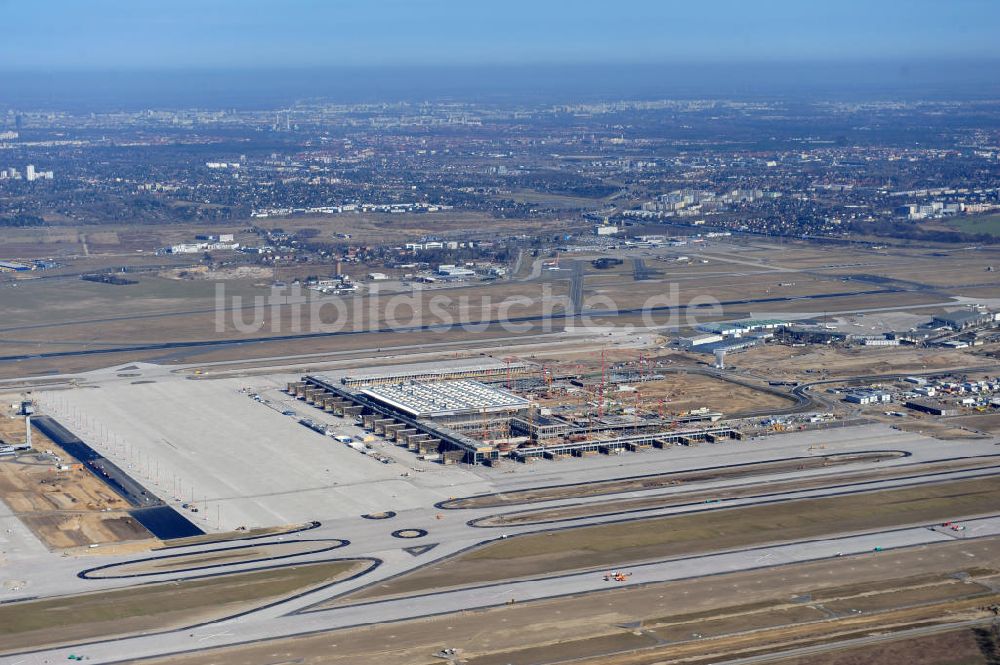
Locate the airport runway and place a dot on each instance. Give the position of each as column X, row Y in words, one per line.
column 277, row 621
column 371, row 538
column 444, row 327
column 450, row 531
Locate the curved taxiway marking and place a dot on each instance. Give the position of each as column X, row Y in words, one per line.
column 89, row 573
column 409, row 533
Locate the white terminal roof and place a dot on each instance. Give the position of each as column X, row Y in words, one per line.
column 443, row 398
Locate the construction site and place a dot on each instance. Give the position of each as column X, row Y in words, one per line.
column 513, row 410
column 347, row 495
column 52, row 493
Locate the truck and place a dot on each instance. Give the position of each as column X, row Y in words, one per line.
column 314, row 426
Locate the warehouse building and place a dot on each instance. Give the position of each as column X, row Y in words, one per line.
column 739, row 328
column 453, row 271
column 963, row 320
column 13, row 266
column 868, row 396
column 928, row 407
column 698, row 340
column 734, row 344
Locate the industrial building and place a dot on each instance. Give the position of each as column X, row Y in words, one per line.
column 13, row 266
column 813, row 334
column 928, row 407
column 453, row 271
column 733, row 344
column 868, row 396
column 731, row 336
column 698, row 340
column 963, row 320
column 739, row 328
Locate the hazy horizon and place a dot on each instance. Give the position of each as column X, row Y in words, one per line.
column 248, row 88
column 62, row 34
column 256, row 53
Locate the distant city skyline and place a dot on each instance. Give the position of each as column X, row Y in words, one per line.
column 188, row 34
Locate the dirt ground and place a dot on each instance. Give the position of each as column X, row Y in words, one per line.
column 204, row 273
column 64, row 508
column 813, row 363
column 938, row 429
column 684, row 392
column 987, row 422
column 821, row 634
column 678, row 393
column 959, row 647
column 728, row 605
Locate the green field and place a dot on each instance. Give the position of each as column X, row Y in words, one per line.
column 987, row 224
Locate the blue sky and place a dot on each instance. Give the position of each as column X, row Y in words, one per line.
column 141, row 34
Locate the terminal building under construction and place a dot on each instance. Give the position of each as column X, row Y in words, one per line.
column 446, row 414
